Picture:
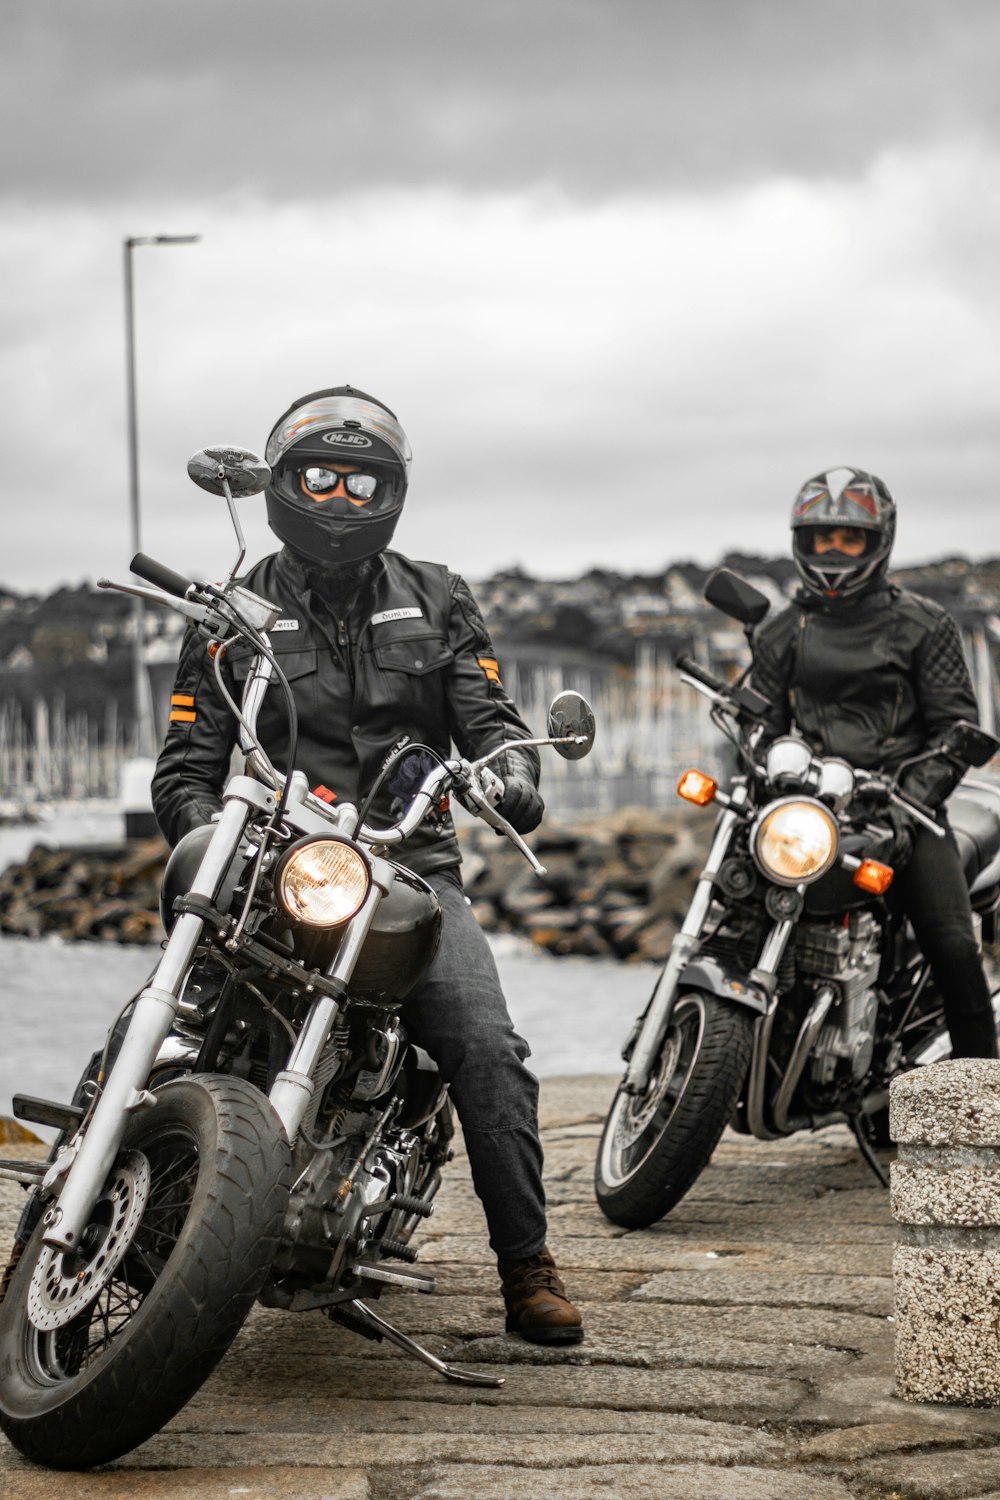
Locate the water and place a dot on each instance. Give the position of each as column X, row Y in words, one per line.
column 58, row 999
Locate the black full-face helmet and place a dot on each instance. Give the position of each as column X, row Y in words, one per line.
column 323, row 438
column 843, row 498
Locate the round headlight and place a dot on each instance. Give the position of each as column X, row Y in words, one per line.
column 323, row 882
column 795, row 841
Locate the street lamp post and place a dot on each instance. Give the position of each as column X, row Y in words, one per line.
column 145, row 739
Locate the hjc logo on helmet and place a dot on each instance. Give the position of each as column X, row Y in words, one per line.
column 347, row 439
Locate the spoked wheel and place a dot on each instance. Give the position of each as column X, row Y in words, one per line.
column 100, row 1346
column 655, row 1144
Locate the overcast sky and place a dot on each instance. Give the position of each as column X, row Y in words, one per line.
column 628, row 270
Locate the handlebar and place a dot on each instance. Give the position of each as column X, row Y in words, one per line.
column 237, row 609
column 701, row 674
column 744, row 698
column 159, row 574
column 874, row 781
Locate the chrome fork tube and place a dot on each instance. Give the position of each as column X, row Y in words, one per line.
column 124, row 1090
column 685, row 944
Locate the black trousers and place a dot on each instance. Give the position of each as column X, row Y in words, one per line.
column 931, row 890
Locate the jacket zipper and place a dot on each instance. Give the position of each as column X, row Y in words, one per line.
column 893, row 722
column 344, row 642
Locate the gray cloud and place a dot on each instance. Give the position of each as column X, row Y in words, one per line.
column 207, row 98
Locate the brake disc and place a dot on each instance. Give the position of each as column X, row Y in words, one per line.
column 65, row 1282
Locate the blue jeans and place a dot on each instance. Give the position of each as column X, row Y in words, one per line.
column 459, row 1015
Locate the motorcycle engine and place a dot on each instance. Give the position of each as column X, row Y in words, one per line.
column 849, row 958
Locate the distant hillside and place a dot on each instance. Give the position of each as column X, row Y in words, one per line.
column 75, row 646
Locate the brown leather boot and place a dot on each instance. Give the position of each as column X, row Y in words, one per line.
column 537, row 1306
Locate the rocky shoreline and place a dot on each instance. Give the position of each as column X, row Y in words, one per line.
column 614, row 887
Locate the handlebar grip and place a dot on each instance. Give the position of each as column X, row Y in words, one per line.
column 691, row 667
column 160, row 575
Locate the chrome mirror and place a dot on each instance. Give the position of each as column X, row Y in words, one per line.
column 571, row 722
column 215, row 468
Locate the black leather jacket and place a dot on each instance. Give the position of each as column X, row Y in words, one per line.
column 411, row 658
column 875, row 681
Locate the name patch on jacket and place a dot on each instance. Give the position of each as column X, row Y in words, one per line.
column 285, row 625
column 410, row 612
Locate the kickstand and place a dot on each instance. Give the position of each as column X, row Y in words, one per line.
column 403, row 1341
column 856, row 1123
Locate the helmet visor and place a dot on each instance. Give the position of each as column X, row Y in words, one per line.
column 360, row 420
column 855, row 505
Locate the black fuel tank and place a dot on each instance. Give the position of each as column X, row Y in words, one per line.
column 401, row 943
column 182, row 867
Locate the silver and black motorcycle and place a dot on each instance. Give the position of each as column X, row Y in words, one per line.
column 791, row 995
column 258, row 1126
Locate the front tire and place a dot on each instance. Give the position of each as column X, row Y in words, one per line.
column 656, row 1144
column 179, row 1245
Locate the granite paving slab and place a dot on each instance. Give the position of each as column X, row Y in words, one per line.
column 741, row 1349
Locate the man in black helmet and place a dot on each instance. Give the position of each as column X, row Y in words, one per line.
column 876, row 674
column 381, row 651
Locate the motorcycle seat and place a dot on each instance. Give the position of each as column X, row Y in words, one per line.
column 974, row 815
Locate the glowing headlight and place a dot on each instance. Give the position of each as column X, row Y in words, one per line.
column 323, row 883
column 795, row 841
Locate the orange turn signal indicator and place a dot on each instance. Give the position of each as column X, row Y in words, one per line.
column 696, row 787
column 874, row 877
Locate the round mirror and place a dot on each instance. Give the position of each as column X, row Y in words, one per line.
column 570, row 714
column 247, row 474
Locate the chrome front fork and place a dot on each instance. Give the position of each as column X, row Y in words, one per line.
column 685, row 945
column 91, row 1153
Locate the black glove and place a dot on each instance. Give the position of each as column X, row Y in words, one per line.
column 521, row 804
column 406, row 779
column 904, row 835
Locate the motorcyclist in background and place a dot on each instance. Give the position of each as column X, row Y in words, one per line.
column 876, row 674
column 381, row 651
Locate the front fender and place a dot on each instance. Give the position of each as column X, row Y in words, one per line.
column 708, row 974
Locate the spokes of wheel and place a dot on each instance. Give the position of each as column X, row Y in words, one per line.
column 66, row 1282
column 79, row 1304
column 174, row 1175
column 66, row 1351
column 170, row 1283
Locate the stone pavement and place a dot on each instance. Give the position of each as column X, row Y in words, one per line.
column 740, row 1350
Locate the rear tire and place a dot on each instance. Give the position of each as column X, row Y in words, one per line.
column 656, row 1144
column 189, row 1224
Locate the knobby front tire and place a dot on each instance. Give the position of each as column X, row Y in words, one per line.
column 656, row 1144
column 204, row 1177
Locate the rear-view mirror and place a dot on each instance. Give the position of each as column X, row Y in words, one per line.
column 246, row 474
column 735, row 597
column 570, row 714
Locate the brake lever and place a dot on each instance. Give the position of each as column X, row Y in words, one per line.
column 915, row 812
column 483, row 808
column 198, row 612
column 872, row 782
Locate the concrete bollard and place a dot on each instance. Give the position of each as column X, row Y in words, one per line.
column 945, row 1119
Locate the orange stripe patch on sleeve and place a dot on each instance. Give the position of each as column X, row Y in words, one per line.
column 182, row 708
column 182, row 700
column 182, row 716
column 491, row 667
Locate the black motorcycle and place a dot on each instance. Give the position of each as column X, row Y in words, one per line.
column 792, row 996
column 258, row 1125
